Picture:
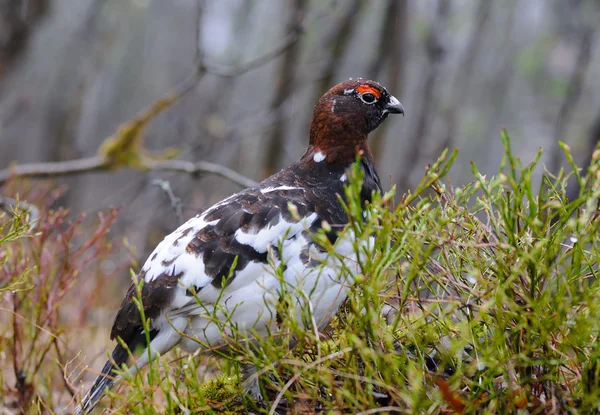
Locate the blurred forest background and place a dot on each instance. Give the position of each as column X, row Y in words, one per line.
column 72, row 71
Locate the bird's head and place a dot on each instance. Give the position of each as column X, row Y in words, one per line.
column 348, row 112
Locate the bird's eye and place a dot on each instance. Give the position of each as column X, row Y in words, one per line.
column 368, row 98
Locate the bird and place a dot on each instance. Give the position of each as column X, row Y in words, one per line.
column 220, row 264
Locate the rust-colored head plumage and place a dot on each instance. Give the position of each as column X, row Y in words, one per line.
column 346, row 114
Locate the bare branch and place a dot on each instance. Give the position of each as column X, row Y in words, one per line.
column 53, row 169
column 129, row 135
column 125, row 148
column 175, row 201
column 61, row 362
column 229, row 72
column 95, row 164
column 199, row 168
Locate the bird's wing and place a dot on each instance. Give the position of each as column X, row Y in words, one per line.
column 203, row 250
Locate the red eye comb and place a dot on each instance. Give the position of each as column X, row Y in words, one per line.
column 366, row 88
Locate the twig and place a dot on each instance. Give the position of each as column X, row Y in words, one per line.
column 201, row 167
column 299, row 374
column 70, row 388
column 102, row 163
column 91, row 164
column 255, row 63
column 175, row 201
column 53, row 169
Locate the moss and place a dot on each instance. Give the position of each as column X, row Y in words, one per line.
column 220, row 395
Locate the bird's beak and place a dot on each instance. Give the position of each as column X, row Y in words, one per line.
column 393, row 106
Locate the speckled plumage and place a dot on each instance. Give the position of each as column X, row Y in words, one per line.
column 190, row 274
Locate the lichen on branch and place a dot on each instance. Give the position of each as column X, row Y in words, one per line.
column 126, row 147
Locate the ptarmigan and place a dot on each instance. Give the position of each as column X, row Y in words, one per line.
column 189, row 275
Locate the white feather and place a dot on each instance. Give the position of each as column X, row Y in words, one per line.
column 260, row 239
column 319, row 157
column 249, row 304
column 172, row 251
column 274, row 189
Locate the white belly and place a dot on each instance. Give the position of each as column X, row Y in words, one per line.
column 252, row 304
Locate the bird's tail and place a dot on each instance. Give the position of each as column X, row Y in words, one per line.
column 104, row 381
column 159, row 344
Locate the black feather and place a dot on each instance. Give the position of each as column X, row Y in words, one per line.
column 107, row 376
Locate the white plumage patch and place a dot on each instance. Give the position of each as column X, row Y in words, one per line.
column 261, row 239
column 319, row 157
column 170, row 256
column 248, row 305
column 275, row 189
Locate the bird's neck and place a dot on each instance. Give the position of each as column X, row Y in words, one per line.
column 338, row 138
column 338, row 143
column 337, row 155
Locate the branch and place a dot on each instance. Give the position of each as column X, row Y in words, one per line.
column 203, row 67
column 228, row 72
column 96, row 164
column 52, row 169
column 175, row 201
column 126, row 149
column 202, row 167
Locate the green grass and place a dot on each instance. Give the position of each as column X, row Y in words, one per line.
column 496, row 308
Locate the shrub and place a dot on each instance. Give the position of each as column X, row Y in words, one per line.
column 495, row 308
column 41, row 262
column 475, row 299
